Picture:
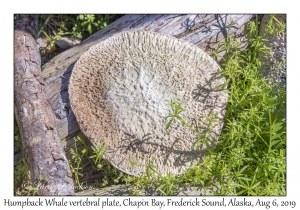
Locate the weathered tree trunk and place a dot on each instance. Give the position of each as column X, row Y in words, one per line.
column 40, row 138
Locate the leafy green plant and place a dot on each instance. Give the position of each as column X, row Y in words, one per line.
column 52, row 39
column 90, row 23
column 203, row 136
column 151, row 182
column 76, row 163
column 274, row 26
column 98, row 154
column 78, row 26
column 86, row 159
column 21, row 172
column 250, row 157
column 176, row 110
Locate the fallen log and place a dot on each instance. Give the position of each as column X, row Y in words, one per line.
column 41, row 142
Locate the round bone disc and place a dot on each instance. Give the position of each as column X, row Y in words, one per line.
column 119, row 92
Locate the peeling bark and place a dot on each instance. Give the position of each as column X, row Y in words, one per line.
column 40, row 139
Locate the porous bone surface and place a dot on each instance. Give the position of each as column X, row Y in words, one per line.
column 119, row 90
